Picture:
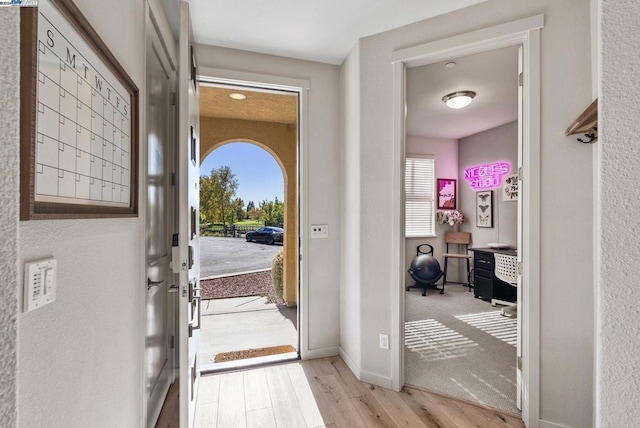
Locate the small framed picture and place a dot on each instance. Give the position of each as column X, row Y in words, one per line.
column 446, row 194
column 484, row 208
column 510, row 187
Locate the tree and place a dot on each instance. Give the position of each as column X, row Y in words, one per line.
column 216, row 195
column 238, row 208
column 272, row 211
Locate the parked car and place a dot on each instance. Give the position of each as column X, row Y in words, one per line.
column 267, row 234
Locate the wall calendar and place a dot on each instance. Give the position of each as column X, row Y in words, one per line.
column 79, row 135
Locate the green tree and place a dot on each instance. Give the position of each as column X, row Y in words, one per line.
column 272, row 211
column 238, row 208
column 216, row 195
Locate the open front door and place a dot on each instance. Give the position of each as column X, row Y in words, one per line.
column 187, row 262
column 520, row 243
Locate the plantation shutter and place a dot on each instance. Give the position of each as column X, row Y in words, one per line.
column 419, row 200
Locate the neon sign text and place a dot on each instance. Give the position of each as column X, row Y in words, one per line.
column 487, row 176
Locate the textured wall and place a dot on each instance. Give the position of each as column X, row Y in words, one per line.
column 618, row 292
column 81, row 357
column 9, row 152
column 279, row 140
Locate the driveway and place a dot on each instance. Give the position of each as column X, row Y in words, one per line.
column 220, row 255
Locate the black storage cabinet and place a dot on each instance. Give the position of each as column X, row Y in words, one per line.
column 486, row 285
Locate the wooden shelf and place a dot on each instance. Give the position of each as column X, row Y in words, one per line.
column 586, row 122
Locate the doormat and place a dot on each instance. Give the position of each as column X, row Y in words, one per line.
column 223, row 357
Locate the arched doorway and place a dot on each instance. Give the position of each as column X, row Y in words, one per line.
column 275, row 141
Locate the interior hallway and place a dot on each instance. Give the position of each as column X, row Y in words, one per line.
column 322, row 393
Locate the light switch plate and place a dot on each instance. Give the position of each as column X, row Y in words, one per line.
column 39, row 283
column 319, row 231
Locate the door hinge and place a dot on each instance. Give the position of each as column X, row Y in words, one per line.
column 520, row 79
column 520, row 174
column 172, row 98
column 519, row 363
column 172, row 342
column 172, row 179
column 519, row 267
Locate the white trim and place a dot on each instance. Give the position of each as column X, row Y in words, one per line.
column 477, row 41
column 254, row 80
column 376, row 379
column 231, row 77
column 349, row 362
column 524, row 32
column 549, row 424
column 312, row 354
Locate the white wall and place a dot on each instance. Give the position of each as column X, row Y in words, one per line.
column 493, row 145
column 81, row 356
column 618, row 326
column 445, row 155
column 9, row 159
column 350, row 307
column 566, row 223
column 324, row 176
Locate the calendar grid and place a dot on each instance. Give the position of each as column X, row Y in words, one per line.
column 83, row 142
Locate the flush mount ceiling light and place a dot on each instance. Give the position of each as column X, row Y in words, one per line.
column 237, row 96
column 459, row 99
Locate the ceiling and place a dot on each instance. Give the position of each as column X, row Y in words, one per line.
column 260, row 106
column 492, row 75
column 315, row 30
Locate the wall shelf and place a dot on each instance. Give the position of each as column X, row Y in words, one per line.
column 586, row 123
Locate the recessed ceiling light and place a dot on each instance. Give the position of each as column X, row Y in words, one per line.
column 237, row 96
column 450, row 64
column 459, row 99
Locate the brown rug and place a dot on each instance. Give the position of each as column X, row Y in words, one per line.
column 223, row 357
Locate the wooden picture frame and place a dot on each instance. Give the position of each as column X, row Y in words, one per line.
column 79, row 120
column 446, row 188
column 484, row 208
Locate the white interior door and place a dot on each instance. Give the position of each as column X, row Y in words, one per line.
column 520, row 243
column 187, row 262
column 158, row 220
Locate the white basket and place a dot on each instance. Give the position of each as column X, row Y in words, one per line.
column 506, row 268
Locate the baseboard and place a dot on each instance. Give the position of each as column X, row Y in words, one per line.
column 311, row 354
column 548, row 424
column 363, row 375
column 375, row 379
column 349, row 362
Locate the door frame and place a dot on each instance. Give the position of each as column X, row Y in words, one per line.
column 301, row 87
column 525, row 32
column 156, row 21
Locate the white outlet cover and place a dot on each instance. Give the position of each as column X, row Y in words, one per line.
column 39, row 283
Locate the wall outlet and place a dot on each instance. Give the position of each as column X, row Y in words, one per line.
column 319, row 231
column 384, row 341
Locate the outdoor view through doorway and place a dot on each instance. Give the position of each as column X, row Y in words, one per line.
column 248, row 226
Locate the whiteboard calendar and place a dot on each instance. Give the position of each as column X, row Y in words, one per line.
column 83, row 149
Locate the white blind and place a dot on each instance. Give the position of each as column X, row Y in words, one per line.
column 419, row 200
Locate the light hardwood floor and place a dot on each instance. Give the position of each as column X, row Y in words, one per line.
column 322, row 393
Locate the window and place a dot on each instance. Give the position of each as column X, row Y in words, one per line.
column 419, row 200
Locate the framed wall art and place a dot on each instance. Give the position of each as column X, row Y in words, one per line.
column 510, row 187
column 484, row 208
column 446, row 193
column 79, row 120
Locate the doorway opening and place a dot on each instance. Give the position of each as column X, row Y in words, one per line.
column 525, row 33
column 456, row 340
column 248, row 218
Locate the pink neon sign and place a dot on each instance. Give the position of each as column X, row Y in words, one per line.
column 487, row 176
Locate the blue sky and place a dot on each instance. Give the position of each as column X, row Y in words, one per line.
column 259, row 175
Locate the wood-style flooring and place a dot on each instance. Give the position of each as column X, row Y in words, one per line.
column 322, row 393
